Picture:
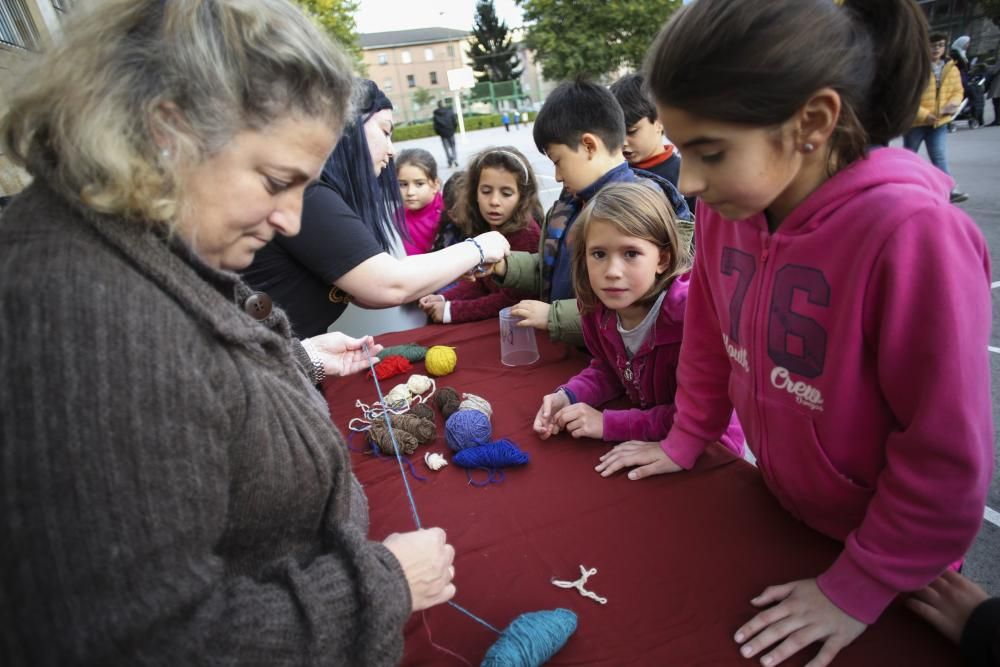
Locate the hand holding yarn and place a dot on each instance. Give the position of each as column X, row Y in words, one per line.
column 649, row 456
column 581, row 421
column 426, row 559
column 340, row 354
column 433, row 307
column 545, row 424
column 495, row 246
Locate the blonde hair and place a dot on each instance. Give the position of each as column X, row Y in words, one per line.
column 637, row 210
column 86, row 116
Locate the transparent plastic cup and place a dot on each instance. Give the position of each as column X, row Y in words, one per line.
column 517, row 344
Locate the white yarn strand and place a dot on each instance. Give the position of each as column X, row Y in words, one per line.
column 578, row 585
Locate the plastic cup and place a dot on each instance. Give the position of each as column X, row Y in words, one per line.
column 517, row 344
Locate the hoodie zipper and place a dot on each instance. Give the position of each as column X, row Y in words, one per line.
column 759, row 313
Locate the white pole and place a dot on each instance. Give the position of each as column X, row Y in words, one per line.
column 461, row 118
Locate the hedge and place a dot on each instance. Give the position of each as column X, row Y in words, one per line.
column 421, row 130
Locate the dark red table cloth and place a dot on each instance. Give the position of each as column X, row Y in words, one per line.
column 678, row 556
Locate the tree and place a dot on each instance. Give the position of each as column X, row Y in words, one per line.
column 592, row 37
column 336, row 17
column 422, row 96
column 991, row 8
column 492, row 51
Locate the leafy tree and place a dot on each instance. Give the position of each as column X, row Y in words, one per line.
column 336, row 17
column 991, row 8
column 592, row 37
column 422, row 96
column 492, row 51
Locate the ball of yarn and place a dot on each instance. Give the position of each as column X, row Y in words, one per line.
column 440, row 360
column 467, row 428
column 499, row 454
column 435, row 461
column 447, row 401
column 399, row 395
column 423, row 411
column 423, row 430
column 473, row 402
column 379, row 434
column 532, row 639
column 418, row 384
column 411, row 351
column 390, row 367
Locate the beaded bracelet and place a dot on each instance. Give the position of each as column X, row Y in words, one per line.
column 482, row 258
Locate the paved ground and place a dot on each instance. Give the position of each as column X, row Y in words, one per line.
column 974, row 156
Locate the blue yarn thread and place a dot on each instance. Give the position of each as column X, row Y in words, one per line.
column 467, row 428
column 490, row 457
column 532, row 638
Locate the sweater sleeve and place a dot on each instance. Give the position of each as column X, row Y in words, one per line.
column 483, row 304
column 522, row 273
column 118, row 472
column 928, row 502
column 564, row 322
column 702, row 399
column 598, row 383
column 637, row 424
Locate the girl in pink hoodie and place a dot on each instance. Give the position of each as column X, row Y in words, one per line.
column 630, row 276
column 838, row 300
column 420, row 189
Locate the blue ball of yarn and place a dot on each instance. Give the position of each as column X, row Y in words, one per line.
column 499, row 454
column 467, row 428
column 532, row 639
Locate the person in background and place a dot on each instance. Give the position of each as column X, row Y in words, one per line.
column 580, row 129
column 448, row 231
column 941, row 99
column 505, row 119
column 500, row 192
column 630, row 275
column 445, row 122
column 349, row 248
column 827, row 264
column 416, row 172
column 964, row 613
column 174, row 491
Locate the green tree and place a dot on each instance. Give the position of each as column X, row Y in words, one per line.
column 336, row 17
column 592, row 37
column 422, row 96
column 492, row 50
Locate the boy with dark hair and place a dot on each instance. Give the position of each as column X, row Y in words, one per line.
column 644, row 148
column 581, row 129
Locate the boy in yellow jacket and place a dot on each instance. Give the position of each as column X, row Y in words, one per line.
column 939, row 103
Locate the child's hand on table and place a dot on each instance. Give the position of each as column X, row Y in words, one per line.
column 648, row 456
column 545, row 424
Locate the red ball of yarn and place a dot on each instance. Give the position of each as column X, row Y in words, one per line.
column 391, row 366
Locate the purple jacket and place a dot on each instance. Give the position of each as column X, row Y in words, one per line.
column 649, row 379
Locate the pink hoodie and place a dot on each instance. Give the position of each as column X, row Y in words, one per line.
column 852, row 343
column 423, row 226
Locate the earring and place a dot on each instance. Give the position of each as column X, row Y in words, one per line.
column 808, row 148
column 165, row 153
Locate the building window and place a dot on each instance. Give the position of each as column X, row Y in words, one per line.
column 383, row 59
column 428, row 54
column 434, row 78
column 451, row 51
column 411, row 81
column 406, row 57
column 387, row 84
column 17, row 28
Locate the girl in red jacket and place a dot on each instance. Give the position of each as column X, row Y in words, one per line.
column 500, row 193
column 838, row 300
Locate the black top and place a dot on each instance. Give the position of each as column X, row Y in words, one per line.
column 298, row 272
column 445, row 121
column 981, row 636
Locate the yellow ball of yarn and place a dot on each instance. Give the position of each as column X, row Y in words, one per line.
column 440, row 360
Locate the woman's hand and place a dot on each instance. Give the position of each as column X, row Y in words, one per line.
column 545, row 424
column 433, row 306
column 532, row 313
column 495, row 246
column 947, row 603
column 581, row 421
column 802, row 616
column 426, row 558
column 649, row 456
column 341, row 355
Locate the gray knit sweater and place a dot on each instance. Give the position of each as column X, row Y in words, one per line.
column 172, row 490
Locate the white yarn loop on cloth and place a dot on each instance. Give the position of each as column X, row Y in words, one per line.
column 578, row 585
column 435, row 461
column 473, row 402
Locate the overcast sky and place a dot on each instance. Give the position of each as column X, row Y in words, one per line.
column 382, row 15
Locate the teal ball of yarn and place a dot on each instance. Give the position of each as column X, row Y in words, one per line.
column 467, row 428
column 532, row 639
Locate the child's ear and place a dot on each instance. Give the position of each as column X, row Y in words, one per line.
column 817, row 119
column 666, row 257
column 591, row 143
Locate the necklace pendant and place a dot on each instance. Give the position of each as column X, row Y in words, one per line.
column 628, row 371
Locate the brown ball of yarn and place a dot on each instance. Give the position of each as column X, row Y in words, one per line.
column 447, row 401
column 423, row 430
column 423, row 411
column 379, row 434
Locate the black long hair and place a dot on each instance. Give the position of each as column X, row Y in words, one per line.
column 349, row 171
